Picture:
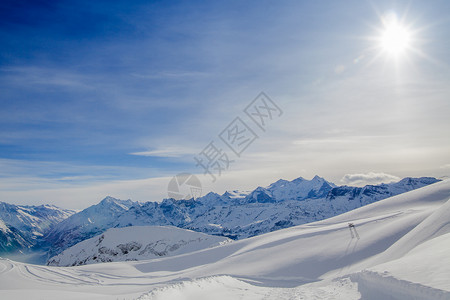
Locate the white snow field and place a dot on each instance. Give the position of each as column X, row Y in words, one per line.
column 403, row 252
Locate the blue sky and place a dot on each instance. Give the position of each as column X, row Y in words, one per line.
column 101, row 98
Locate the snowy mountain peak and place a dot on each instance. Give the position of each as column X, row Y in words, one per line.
column 235, row 194
column 259, row 195
column 88, row 222
column 212, row 194
column 213, row 199
column 300, row 189
column 208, row 197
column 227, row 194
column 298, row 180
column 320, row 179
column 279, row 183
column 110, row 201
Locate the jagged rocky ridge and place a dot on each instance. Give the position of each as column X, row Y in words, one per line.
column 235, row 215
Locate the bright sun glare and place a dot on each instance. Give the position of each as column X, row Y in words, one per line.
column 395, row 37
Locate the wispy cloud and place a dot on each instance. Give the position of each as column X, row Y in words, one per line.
column 64, row 172
column 45, row 76
column 167, row 152
column 170, row 74
column 368, row 178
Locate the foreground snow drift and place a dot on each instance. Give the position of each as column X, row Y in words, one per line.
column 402, row 250
column 135, row 243
column 226, row 287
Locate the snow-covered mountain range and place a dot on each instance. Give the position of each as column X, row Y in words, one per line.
column 235, row 215
column 135, row 243
column 22, row 227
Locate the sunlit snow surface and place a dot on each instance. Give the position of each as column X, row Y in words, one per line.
column 402, row 253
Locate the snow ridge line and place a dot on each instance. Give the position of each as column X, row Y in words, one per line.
column 374, row 286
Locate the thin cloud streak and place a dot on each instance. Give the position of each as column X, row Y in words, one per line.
column 166, row 152
column 32, row 75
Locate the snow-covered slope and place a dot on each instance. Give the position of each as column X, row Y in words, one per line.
column 411, row 229
column 135, row 243
column 22, row 227
column 401, row 253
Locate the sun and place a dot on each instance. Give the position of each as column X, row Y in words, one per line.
column 397, row 41
column 395, row 37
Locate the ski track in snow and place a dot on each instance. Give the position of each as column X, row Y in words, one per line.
column 401, row 238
